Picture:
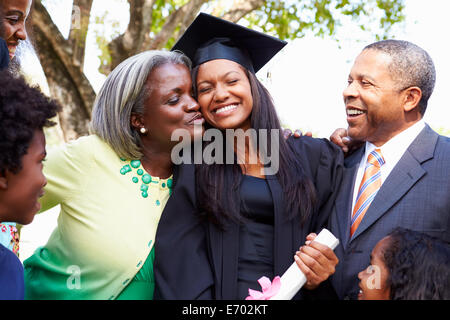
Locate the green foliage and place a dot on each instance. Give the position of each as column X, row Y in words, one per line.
column 286, row 19
column 161, row 11
column 102, row 43
column 105, row 29
column 393, row 10
column 290, row 19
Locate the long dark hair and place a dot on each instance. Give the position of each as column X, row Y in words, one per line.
column 419, row 266
column 215, row 189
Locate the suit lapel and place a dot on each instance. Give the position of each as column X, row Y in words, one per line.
column 402, row 177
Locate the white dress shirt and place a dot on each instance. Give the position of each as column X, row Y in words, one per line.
column 391, row 151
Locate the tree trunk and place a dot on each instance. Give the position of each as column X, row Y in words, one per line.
column 241, row 8
column 136, row 38
column 81, row 12
column 66, row 80
column 130, row 42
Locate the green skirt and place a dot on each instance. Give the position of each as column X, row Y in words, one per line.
column 142, row 286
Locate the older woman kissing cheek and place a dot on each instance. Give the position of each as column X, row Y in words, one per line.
column 114, row 184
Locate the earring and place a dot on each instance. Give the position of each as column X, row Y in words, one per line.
column 143, row 130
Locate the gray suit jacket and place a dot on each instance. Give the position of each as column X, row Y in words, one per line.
column 416, row 195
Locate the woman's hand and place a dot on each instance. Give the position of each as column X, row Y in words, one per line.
column 340, row 138
column 297, row 133
column 316, row 261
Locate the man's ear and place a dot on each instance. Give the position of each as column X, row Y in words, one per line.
column 136, row 121
column 412, row 98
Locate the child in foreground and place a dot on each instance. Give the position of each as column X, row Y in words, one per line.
column 24, row 112
column 407, row 265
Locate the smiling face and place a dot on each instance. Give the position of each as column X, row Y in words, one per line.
column 21, row 191
column 169, row 106
column 15, row 15
column 373, row 282
column 224, row 94
column 373, row 101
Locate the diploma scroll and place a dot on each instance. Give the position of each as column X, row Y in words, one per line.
column 293, row 279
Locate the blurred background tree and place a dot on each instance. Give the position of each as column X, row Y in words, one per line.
column 157, row 24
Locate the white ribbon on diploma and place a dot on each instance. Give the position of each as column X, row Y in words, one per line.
column 294, row 279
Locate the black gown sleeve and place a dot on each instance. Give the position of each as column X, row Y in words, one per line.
column 182, row 269
column 324, row 164
column 328, row 178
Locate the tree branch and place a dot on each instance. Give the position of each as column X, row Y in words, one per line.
column 188, row 18
column 139, row 25
column 183, row 15
column 131, row 41
column 241, row 8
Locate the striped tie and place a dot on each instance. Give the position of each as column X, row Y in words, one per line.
column 370, row 184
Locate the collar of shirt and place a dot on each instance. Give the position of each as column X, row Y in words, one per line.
column 392, row 151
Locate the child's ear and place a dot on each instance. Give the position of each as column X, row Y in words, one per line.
column 3, row 182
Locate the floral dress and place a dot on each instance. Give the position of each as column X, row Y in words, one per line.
column 9, row 236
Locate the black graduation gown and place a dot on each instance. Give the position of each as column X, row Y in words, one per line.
column 195, row 259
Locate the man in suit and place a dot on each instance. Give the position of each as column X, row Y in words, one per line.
column 401, row 175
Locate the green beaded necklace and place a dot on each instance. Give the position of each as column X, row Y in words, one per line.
column 145, row 177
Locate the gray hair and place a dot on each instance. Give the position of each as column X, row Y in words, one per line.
column 123, row 93
column 411, row 66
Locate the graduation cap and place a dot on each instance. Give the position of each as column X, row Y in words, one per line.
column 209, row 38
column 4, row 54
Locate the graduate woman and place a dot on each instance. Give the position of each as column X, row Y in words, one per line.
column 227, row 225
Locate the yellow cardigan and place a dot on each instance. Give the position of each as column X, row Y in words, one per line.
column 106, row 228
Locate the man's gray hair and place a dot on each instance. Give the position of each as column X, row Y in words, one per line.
column 411, row 67
column 123, row 93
